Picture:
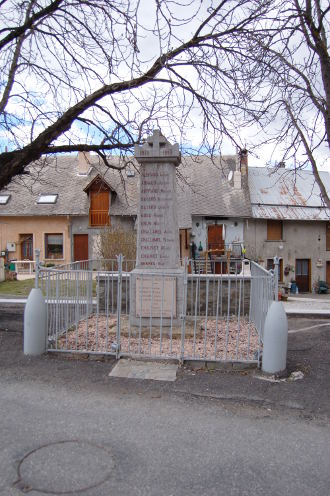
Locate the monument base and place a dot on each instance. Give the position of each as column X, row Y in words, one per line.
column 156, row 297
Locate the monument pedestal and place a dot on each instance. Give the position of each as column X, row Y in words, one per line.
column 156, row 297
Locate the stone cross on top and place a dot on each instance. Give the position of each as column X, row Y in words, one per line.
column 157, row 146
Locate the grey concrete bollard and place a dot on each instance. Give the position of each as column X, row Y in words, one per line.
column 275, row 343
column 35, row 324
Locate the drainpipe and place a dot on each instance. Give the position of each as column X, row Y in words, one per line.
column 70, row 236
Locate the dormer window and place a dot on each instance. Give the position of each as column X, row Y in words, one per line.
column 4, row 199
column 48, row 199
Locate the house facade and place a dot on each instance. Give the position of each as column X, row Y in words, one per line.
column 289, row 221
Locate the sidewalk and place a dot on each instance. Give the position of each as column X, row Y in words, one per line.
column 308, row 304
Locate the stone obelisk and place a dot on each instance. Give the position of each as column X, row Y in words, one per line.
column 156, row 283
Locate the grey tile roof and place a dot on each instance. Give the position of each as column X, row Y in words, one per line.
column 202, row 189
column 54, row 175
column 286, row 194
column 211, row 192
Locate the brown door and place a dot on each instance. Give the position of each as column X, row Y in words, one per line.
column 99, row 208
column 80, row 247
column 328, row 273
column 215, row 245
column 303, row 274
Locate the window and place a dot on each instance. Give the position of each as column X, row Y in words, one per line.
column 270, row 266
column 4, row 199
column 54, row 246
column 51, row 198
column 274, row 230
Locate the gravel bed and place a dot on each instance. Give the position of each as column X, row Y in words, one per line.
column 225, row 339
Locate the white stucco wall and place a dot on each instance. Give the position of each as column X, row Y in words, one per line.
column 234, row 230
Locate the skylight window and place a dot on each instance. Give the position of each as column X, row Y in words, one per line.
column 47, row 198
column 4, row 199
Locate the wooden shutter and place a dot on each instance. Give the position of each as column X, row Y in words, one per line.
column 99, row 208
column 274, row 230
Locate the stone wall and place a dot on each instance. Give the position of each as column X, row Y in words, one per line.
column 204, row 296
column 239, row 300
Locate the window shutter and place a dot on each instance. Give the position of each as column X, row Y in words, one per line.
column 274, row 230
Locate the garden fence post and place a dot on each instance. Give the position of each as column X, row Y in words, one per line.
column 276, row 268
column 184, row 307
column 119, row 296
column 37, row 256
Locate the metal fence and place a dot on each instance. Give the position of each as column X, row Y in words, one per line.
column 263, row 292
column 101, row 307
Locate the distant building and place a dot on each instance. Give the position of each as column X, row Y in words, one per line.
column 289, row 220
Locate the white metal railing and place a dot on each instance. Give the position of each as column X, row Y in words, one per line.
column 262, row 294
column 201, row 316
column 24, row 266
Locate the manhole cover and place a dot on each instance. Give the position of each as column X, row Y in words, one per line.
column 64, row 467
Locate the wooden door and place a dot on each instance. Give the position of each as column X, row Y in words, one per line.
column 303, row 275
column 80, row 247
column 215, row 245
column 99, row 208
column 328, row 273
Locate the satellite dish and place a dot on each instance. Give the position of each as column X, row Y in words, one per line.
column 230, row 176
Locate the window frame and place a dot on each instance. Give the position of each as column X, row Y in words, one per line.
column 47, row 202
column 46, row 244
column 7, row 198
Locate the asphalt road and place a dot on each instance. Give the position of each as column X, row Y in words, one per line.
column 67, row 428
column 11, row 316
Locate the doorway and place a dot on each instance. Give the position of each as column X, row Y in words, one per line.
column 303, row 274
column 80, row 247
column 216, row 246
column 26, row 241
column 328, row 273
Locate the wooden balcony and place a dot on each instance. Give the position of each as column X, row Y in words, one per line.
column 99, row 218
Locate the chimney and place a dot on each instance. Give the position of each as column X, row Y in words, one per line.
column 237, row 180
column 243, row 156
column 84, row 163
